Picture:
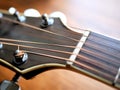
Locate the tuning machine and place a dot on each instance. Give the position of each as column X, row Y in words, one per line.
column 1, row 15
column 20, row 18
column 46, row 21
column 20, row 57
column 11, row 85
column 31, row 13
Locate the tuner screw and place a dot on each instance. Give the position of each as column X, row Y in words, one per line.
column 46, row 21
column 14, row 12
column 20, row 57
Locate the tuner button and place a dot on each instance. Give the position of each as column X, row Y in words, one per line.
column 32, row 13
column 9, row 85
column 59, row 15
column 14, row 12
column 1, row 45
column 1, row 15
column 46, row 21
column 20, row 57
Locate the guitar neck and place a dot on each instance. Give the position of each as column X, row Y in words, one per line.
column 49, row 48
column 100, row 58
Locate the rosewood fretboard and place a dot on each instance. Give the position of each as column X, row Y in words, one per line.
column 100, row 57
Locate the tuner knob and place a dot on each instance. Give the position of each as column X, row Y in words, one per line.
column 9, row 85
column 59, row 15
column 46, row 21
column 1, row 15
column 20, row 57
column 1, row 45
column 32, row 13
column 14, row 12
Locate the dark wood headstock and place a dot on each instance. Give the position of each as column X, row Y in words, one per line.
column 47, row 48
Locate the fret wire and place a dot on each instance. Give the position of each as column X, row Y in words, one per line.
column 116, row 77
column 39, row 29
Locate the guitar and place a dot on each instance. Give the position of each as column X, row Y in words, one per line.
column 33, row 46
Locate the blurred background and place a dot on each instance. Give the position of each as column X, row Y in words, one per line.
column 102, row 16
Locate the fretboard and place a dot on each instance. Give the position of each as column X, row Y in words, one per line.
column 100, row 57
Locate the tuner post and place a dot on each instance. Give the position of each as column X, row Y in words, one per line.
column 14, row 12
column 46, row 21
column 20, row 57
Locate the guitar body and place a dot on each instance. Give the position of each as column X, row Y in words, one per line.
column 62, row 80
column 58, row 79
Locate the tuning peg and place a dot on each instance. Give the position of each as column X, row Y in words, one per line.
column 59, row 15
column 1, row 45
column 10, row 85
column 46, row 21
column 20, row 57
column 1, row 15
column 32, row 13
column 14, row 12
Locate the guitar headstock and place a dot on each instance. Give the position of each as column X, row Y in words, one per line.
column 37, row 43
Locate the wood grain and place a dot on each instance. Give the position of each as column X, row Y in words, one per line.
column 99, row 15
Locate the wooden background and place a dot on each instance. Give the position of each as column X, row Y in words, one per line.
column 101, row 16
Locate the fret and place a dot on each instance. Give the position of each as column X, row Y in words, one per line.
column 103, row 54
column 116, row 77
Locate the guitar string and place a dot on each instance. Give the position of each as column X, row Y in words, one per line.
column 38, row 43
column 76, row 62
column 45, row 44
column 31, row 42
column 58, row 51
column 53, row 50
column 110, row 60
column 31, row 47
column 55, row 34
column 39, row 29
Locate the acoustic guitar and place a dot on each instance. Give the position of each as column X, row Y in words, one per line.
column 31, row 45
